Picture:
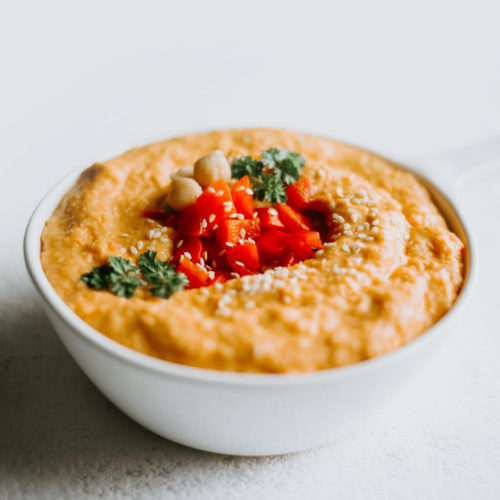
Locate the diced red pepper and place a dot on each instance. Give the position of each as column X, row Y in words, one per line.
column 172, row 221
column 233, row 230
column 300, row 194
column 196, row 275
column 304, row 245
column 272, row 244
column 243, row 197
column 244, row 259
column 269, row 218
column 191, row 222
column 289, row 259
column 193, row 246
column 219, row 277
column 216, row 204
column 211, row 248
column 293, row 220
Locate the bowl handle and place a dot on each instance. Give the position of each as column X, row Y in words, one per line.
column 451, row 169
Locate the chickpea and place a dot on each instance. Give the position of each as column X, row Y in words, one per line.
column 187, row 171
column 212, row 167
column 183, row 192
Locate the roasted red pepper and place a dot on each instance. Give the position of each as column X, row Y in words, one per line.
column 269, row 218
column 191, row 222
column 215, row 204
column 196, row 274
column 244, row 259
column 234, row 230
column 294, row 221
column 300, row 194
column 194, row 248
column 243, row 197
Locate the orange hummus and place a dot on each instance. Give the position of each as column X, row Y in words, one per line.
column 393, row 270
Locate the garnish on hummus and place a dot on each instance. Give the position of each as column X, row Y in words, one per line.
column 277, row 252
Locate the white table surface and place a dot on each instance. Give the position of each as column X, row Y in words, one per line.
column 81, row 83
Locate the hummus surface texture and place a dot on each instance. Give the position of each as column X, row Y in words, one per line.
column 394, row 269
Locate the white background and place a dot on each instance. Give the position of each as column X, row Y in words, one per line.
column 82, row 81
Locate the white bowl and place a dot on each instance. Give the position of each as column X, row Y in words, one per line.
column 233, row 413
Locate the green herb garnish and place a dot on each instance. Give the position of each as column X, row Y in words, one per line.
column 118, row 276
column 272, row 175
column 162, row 275
column 121, row 277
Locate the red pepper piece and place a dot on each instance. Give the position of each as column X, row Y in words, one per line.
column 193, row 246
column 211, row 248
column 293, row 220
column 196, row 275
column 244, row 259
column 269, row 218
column 172, row 221
column 272, row 244
column 300, row 194
column 215, row 204
column 243, row 197
column 304, row 245
column 219, row 277
column 233, row 230
column 191, row 222
column 289, row 259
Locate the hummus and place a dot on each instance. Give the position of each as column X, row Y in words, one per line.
column 391, row 271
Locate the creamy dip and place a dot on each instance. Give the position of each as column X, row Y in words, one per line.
column 392, row 269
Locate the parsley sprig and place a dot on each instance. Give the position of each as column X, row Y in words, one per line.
column 121, row 277
column 271, row 175
column 162, row 275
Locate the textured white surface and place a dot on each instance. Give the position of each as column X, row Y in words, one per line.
column 81, row 83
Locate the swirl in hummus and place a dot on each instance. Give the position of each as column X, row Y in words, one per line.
column 389, row 271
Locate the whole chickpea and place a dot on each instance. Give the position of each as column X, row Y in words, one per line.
column 212, row 167
column 187, row 171
column 183, row 192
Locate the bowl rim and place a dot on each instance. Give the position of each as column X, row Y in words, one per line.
column 31, row 248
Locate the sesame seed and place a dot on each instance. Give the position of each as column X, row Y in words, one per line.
column 205, row 255
column 163, row 229
column 240, row 188
column 133, row 250
column 125, row 235
column 164, row 240
column 376, row 222
column 235, row 275
column 241, row 241
column 227, row 208
column 204, row 223
column 140, row 244
column 360, row 227
column 219, row 192
column 123, row 250
column 187, row 255
column 200, row 266
column 348, row 232
column 321, row 172
column 373, row 212
column 273, row 211
column 202, row 261
column 151, row 249
column 211, row 218
column 249, row 191
column 240, row 216
column 215, row 227
column 233, row 216
column 242, row 233
column 218, row 286
column 205, row 291
column 211, row 275
column 251, row 240
column 357, row 260
column 332, row 204
column 229, row 244
column 179, row 244
column 361, row 236
column 228, row 203
column 346, row 248
column 338, row 218
column 361, row 193
column 238, row 263
column 319, row 253
column 287, row 299
column 354, row 217
column 211, row 190
column 374, row 230
column 346, row 226
column 255, row 214
column 250, row 304
column 340, row 191
column 369, row 238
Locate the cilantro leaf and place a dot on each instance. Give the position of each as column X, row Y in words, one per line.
column 118, row 276
column 162, row 275
column 246, row 165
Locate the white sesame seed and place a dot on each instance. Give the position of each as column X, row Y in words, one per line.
column 205, row 291
column 346, row 226
column 187, row 255
column 242, row 233
column 354, row 217
column 179, row 244
column 346, row 248
column 249, row 305
column 133, row 250
column 227, row 208
column 255, row 214
column 273, row 211
column 125, row 235
column 218, row 286
column 202, row 261
column 338, row 218
column 140, row 245
column 233, row 216
column 251, row 240
column 163, row 229
column 123, row 250
column 235, row 275
column 369, row 238
column 374, row 230
column 348, row 232
column 204, row 223
column 339, row 191
column 241, row 241
column 357, row 260
column 332, row 204
column 361, row 193
column 240, row 216
column 249, row 191
column 229, row 244
column 321, row 172
column 287, row 299
column 376, row 222
column 164, row 240
column 240, row 188
column 219, row 192
column 211, row 189
column 205, row 255
column 151, row 249
column 238, row 263
column 319, row 253
column 211, row 218
column 215, row 227
column 211, row 275
column 373, row 212
column 361, row 236
column 360, row 227
column 200, row 266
